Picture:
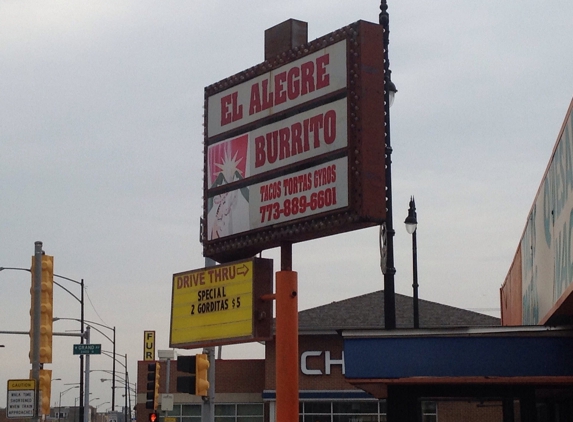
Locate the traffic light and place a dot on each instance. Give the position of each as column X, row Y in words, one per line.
column 186, row 384
column 153, row 417
column 202, row 375
column 152, row 397
column 198, row 381
column 44, row 390
column 46, row 309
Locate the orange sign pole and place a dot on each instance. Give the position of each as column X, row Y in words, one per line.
column 287, row 346
column 287, row 339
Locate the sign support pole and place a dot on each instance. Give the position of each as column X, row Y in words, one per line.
column 208, row 407
column 287, row 338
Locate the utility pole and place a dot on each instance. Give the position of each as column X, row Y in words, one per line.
column 87, row 382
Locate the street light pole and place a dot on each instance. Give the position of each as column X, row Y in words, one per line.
column 112, row 340
column 60, row 402
column 411, row 227
column 82, row 326
column 113, row 377
column 388, row 266
column 85, row 414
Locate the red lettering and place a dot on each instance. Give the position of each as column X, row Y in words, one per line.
column 280, row 93
column 307, row 79
column 329, row 127
column 272, row 146
column 284, row 137
column 255, row 103
column 293, row 83
column 322, row 78
column 183, row 282
column 315, row 126
column 325, row 176
column 288, row 141
column 296, row 140
column 306, row 134
column 287, row 85
column 226, row 116
column 260, row 157
column 270, row 191
column 235, row 112
column 267, row 96
column 198, row 278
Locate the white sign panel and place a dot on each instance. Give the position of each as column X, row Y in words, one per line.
column 300, row 81
column 167, row 402
column 21, row 399
column 296, row 195
column 301, row 194
column 297, row 138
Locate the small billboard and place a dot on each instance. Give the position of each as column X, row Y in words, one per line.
column 295, row 146
column 222, row 304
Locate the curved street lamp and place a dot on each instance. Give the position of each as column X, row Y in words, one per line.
column 112, row 340
column 60, row 402
column 101, row 404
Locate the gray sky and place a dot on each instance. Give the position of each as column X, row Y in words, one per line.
column 101, row 153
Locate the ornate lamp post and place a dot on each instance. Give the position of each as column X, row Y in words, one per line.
column 411, row 226
column 387, row 230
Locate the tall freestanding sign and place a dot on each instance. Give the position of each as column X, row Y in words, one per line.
column 295, row 148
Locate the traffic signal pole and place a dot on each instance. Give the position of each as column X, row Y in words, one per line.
column 37, row 289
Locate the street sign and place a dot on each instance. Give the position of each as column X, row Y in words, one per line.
column 167, row 402
column 21, row 399
column 87, row 349
column 149, row 345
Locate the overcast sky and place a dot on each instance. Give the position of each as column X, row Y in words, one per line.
column 101, row 109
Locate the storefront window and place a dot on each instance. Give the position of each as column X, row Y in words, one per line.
column 355, row 407
column 185, row 413
column 343, row 411
column 240, row 412
column 429, row 411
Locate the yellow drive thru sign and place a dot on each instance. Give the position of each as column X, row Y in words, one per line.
column 221, row 304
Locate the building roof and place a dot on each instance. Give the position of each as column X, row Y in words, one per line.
column 367, row 312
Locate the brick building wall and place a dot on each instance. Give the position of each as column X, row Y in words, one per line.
column 232, row 376
column 241, row 378
column 470, row 411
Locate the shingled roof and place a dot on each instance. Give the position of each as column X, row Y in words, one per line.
column 367, row 312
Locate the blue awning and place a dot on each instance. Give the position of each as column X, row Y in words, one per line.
column 452, row 355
